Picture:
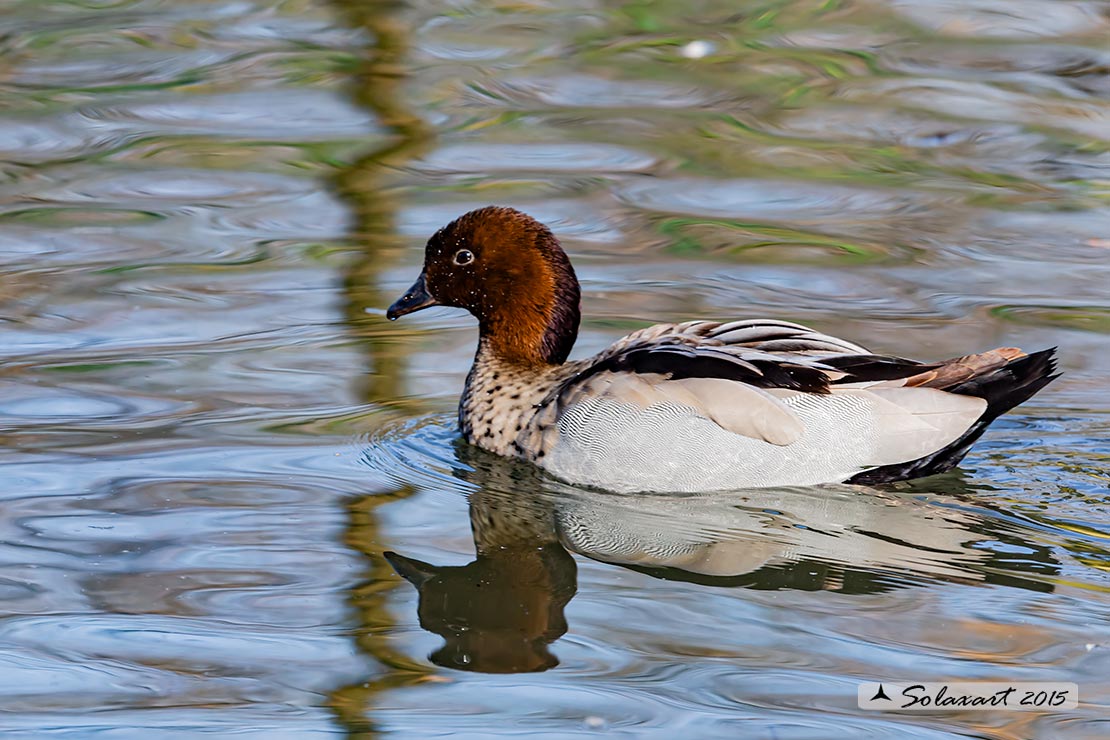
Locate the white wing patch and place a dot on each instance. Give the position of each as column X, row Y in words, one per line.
column 736, row 407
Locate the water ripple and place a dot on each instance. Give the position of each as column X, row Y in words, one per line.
column 550, row 158
column 289, row 115
column 753, row 199
column 584, row 91
column 1020, row 19
column 200, row 644
column 178, row 186
column 211, row 434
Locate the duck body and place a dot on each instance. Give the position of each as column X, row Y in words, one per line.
column 700, row 405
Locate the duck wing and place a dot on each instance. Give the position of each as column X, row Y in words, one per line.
column 741, row 375
column 761, row 353
column 770, row 354
column 838, row 407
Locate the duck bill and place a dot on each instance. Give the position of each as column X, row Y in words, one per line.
column 415, row 299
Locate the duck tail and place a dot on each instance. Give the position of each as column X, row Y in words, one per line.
column 1002, row 384
column 1011, row 384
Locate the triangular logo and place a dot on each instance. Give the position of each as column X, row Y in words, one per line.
column 880, row 694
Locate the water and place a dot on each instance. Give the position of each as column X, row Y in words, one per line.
column 212, row 435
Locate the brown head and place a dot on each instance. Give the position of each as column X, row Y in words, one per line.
column 509, row 271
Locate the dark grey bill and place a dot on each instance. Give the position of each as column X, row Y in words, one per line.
column 415, row 298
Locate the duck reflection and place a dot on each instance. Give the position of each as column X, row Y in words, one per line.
column 499, row 613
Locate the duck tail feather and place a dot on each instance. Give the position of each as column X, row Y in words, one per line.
column 1011, row 384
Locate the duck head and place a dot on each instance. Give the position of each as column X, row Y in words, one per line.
column 508, row 270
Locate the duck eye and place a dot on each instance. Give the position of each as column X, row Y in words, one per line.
column 464, row 257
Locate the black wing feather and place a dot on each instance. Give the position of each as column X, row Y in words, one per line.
column 752, row 357
column 683, row 361
column 875, row 367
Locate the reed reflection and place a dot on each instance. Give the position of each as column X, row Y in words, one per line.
column 367, row 187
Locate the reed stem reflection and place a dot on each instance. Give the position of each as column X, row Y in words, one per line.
column 366, row 187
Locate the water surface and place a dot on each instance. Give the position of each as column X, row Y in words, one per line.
column 212, row 437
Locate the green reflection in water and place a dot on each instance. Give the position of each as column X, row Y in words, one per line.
column 365, row 185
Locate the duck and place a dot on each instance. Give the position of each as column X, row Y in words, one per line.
column 699, row 405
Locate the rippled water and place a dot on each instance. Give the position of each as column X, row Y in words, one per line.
column 212, row 436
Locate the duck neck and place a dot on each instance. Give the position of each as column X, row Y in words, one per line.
column 537, row 331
